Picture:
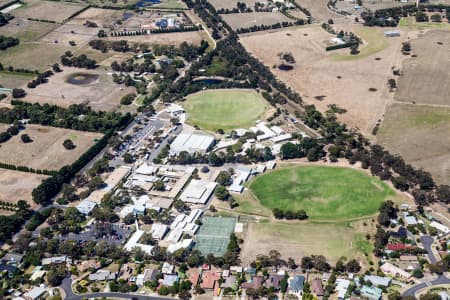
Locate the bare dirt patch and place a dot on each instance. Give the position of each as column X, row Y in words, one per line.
column 426, row 77
column 47, row 10
column 322, row 79
column 47, row 150
column 420, row 134
column 17, row 186
column 247, row 20
column 101, row 94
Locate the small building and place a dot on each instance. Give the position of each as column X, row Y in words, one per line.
column 394, row 271
column 150, row 274
column 209, row 280
column 408, row 258
column 54, row 260
column 35, row 293
column 102, row 275
column 442, row 228
column 85, row 207
column 397, row 247
column 378, row 280
column 391, row 33
column 169, row 280
column 194, row 277
column 371, row 292
column 159, row 231
column 317, row 288
column 230, row 282
column 12, row 259
column 296, row 285
column 342, row 287
column 167, row 268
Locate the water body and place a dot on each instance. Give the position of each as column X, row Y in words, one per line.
column 143, row 3
column 82, row 78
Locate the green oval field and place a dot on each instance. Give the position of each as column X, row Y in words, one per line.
column 325, row 193
column 224, row 109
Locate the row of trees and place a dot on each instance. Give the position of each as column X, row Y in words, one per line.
column 81, row 61
column 273, row 26
column 289, row 215
column 40, row 79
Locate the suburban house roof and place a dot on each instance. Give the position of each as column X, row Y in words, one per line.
column 317, row 287
column 378, row 280
column 296, row 284
column 274, row 281
column 209, row 279
column 194, row 277
column 254, row 284
column 397, row 247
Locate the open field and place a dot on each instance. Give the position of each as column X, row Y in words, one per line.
column 319, row 9
column 47, row 10
column 410, row 23
column 174, row 38
column 104, row 18
column 101, row 93
column 225, row 109
column 17, row 186
column 301, row 239
column 170, row 4
column 218, row 4
column 325, row 193
column 322, row 80
column 46, row 151
column 15, row 80
column 247, row 20
column 25, row 55
column 68, row 32
column 26, row 30
column 425, row 78
column 421, row 135
column 374, row 42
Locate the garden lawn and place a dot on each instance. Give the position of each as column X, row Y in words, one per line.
column 225, row 109
column 325, row 193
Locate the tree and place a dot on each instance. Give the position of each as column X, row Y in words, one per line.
column 430, row 296
column 421, row 17
column 353, row 266
column 436, row 18
column 221, row 193
column 68, row 144
column 56, row 68
column 159, row 185
column 128, row 158
column 127, row 99
column 224, row 178
column 25, row 138
column 18, row 93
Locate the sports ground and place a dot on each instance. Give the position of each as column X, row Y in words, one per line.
column 225, row 109
column 325, row 193
column 214, row 235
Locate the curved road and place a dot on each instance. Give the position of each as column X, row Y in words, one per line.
column 427, row 241
column 66, row 285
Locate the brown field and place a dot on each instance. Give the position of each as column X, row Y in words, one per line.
column 336, row 77
column 26, row 30
column 47, row 10
column 319, row 10
column 420, row 134
column 426, row 77
column 46, row 151
column 36, row 56
column 102, row 94
column 17, row 186
column 218, row 4
column 247, row 20
column 175, row 38
column 68, row 32
column 14, row 80
column 102, row 17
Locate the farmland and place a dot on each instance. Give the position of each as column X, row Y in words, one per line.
column 420, row 135
column 425, row 78
column 246, row 20
column 225, row 109
column 174, row 38
column 218, row 4
column 17, row 186
column 326, row 193
column 320, row 76
column 26, row 30
column 47, row 150
column 47, row 10
column 101, row 93
column 14, row 80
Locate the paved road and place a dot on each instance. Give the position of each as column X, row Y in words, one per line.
column 67, row 287
column 442, row 279
column 427, row 241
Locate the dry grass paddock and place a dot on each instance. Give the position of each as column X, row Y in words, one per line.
column 334, row 77
column 102, row 94
column 420, row 134
column 425, row 78
column 247, row 20
column 17, row 186
column 26, row 30
column 47, row 10
column 47, row 150
column 218, row 4
column 174, row 38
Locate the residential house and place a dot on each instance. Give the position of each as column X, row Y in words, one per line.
column 317, row 288
column 254, row 283
column 194, row 277
column 102, row 275
column 150, row 274
column 378, row 280
column 274, row 281
column 35, row 293
column 408, row 258
column 209, row 279
column 230, row 282
column 13, row 259
column 394, row 271
column 54, row 260
column 371, row 292
column 167, row 268
column 169, row 280
column 296, row 285
column 342, row 287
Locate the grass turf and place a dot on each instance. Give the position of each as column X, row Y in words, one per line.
column 411, row 23
column 326, row 193
column 224, row 109
column 374, row 41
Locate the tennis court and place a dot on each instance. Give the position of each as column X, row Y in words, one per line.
column 214, row 235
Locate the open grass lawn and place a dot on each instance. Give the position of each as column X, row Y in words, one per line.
column 374, row 41
column 326, row 193
column 225, row 109
column 300, row 239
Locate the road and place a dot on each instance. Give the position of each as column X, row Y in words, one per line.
column 66, row 285
column 427, row 241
